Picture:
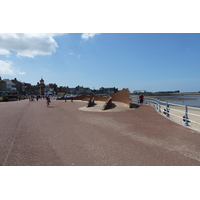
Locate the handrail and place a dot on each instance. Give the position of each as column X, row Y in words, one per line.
column 165, row 106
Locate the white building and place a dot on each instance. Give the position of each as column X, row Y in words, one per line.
column 139, row 91
column 9, row 86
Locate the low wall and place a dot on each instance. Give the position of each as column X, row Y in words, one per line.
column 122, row 96
column 101, row 98
column 86, row 97
column 80, row 97
column 96, row 98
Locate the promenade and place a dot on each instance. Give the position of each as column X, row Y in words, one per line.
column 32, row 134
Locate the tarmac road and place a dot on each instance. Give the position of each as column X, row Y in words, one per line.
column 32, row 134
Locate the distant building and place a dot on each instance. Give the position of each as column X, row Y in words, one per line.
column 103, row 90
column 72, row 90
column 139, row 91
column 53, row 88
column 63, row 89
column 8, row 86
column 79, row 90
column 15, row 86
column 28, row 88
column 20, row 87
column 2, row 85
column 82, row 90
column 88, row 91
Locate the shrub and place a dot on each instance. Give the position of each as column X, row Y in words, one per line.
column 9, row 97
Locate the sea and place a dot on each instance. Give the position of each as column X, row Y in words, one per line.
column 190, row 100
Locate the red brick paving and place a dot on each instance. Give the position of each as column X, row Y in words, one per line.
column 33, row 135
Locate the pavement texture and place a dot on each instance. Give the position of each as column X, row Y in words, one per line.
column 64, row 134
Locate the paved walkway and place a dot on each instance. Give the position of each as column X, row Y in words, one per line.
column 64, row 134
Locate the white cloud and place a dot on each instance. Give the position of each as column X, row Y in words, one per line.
column 87, row 36
column 5, row 52
column 6, row 68
column 74, row 54
column 21, row 73
column 28, row 44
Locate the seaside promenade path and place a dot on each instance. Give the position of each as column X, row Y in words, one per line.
column 32, row 134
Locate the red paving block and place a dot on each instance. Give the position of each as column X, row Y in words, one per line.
column 33, row 134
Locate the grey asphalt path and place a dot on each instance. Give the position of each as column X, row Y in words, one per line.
column 33, row 135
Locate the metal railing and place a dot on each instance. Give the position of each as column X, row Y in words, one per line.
column 187, row 114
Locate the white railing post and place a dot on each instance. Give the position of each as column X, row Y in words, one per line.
column 186, row 115
column 167, row 109
column 159, row 106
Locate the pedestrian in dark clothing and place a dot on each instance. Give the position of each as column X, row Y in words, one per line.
column 141, row 99
column 48, row 101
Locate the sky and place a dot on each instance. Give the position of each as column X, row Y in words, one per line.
column 137, row 61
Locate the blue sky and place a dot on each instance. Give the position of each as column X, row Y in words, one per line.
column 138, row 61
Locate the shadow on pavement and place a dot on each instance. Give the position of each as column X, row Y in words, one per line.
column 133, row 105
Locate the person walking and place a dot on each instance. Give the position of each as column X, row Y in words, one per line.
column 32, row 98
column 141, row 99
column 48, row 100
